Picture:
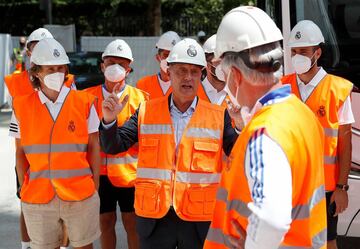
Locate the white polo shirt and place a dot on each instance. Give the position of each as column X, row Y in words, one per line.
column 213, row 94
column 54, row 109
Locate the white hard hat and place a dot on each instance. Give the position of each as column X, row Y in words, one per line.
column 118, row 48
column 210, row 44
column 243, row 28
column 187, row 51
column 49, row 51
column 305, row 34
column 39, row 34
column 168, row 40
column 201, row 33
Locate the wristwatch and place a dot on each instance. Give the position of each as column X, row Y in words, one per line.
column 343, row 186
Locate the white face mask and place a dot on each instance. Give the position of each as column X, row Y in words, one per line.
column 219, row 73
column 301, row 63
column 227, row 90
column 164, row 65
column 54, row 81
column 115, row 73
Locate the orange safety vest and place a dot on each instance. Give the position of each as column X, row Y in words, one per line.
column 120, row 168
column 325, row 101
column 185, row 176
column 19, row 84
column 299, row 135
column 151, row 85
column 55, row 149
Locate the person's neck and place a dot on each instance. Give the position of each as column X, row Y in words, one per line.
column 109, row 86
column 254, row 93
column 52, row 95
column 308, row 76
column 163, row 76
column 182, row 105
column 217, row 84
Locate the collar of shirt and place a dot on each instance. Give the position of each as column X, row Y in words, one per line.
column 60, row 99
column 215, row 96
column 106, row 94
column 161, row 81
column 189, row 111
column 315, row 80
column 271, row 97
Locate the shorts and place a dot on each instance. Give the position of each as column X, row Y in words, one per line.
column 331, row 220
column 110, row 196
column 44, row 222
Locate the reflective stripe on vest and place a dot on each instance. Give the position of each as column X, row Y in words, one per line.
column 155, row 129
column 64, row 174
column 151, row 173
column 45, row 148
column 203, row 133
column 119, row 160
column 216, row 235
column 303, row 211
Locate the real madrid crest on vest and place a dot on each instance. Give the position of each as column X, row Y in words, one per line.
column 71, row 126
column 321, row 112
column 192, row 51
column 56, row 53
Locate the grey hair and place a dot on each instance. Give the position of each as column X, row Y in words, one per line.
column 263, row 54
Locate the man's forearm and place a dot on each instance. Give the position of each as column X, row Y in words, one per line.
column 344, row 153
column 22, row 164
column 94, row 157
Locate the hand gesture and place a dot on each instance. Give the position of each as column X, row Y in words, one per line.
column 112, row 106
column 235, row 115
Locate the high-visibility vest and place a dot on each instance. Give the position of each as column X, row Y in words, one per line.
column 55, row 149
column 151, row 85
column 120, row 168
column 19, row 84
column 184, row 176
column 299, row 135
column 325, row 101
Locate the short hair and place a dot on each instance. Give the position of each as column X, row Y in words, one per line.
column 260, row 65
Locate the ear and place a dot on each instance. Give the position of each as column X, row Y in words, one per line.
column 102, row 67
column 319, row 52
column 157, row 58
column 28, row 53
column 237, row 75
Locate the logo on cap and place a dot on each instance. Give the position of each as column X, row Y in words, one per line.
column 173, row 42
column 43, row 34
column 192, row 51
column 56, row 53
column 119, row 48
column 298, row 35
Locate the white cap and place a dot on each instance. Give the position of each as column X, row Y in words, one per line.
column 243, row 28
column 305, row 34
column 118, row 48
column 49, row 51
column 39, row 34
column 187, row 51
column 210, row 45
column 167, row 40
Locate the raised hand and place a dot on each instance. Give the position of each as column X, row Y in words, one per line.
column 112, row 106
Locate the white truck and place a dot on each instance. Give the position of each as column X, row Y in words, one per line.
column 339, row 21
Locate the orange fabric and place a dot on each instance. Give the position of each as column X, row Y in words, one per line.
column 300, row 137
column 120, row 168
column 56, row 150
column 151, row 85
column 19, row 84
column 325, row 101
column 184, row 176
